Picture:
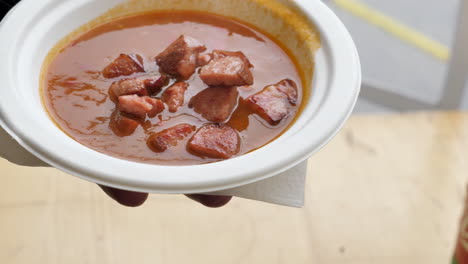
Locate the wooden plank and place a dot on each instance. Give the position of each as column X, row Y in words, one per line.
column 388, row 189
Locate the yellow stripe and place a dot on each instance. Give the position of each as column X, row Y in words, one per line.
column 396, row 28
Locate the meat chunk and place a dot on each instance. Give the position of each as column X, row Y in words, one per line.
column 215, row 104
column 127, row 87
column 174, row 96
column 161, row 141
column 140, row 106
column 180, row 58
column 124, row 65
column 289, row 88
column 218, row 54
column 227, row 69
column 154, row 85
column 158, row 106
column 204, row 59
column 141, row 87
column 215, row 141
column 274, row 102
column 122, row 125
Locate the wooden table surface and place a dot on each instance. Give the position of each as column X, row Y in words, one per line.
column 388, row 189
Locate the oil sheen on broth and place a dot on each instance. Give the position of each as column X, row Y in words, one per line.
column 76, row 94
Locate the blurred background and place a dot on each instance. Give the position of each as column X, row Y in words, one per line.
column 392, row 68
column 389, row 189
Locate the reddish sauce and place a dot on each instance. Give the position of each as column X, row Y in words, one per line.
column 76, row 93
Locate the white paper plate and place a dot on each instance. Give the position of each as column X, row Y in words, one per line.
column 34, row 27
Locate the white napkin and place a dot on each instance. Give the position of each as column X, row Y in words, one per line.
column 284, row 189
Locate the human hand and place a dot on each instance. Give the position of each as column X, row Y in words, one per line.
column 135, row 199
